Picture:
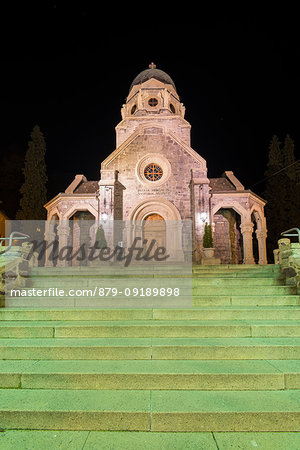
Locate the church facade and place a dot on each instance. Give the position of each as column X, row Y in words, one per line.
column 154, row 177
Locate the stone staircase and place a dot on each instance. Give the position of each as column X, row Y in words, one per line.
column 231, row 362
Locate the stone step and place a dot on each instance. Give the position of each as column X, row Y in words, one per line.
column 112, row 271
column 237, row 267
column 125, row 440
column 243, row 290
column 129, row 440
column 76, row 314
column 151, row 374
column 152, row 328
column 225, row 359
column 237, row 274
column 257, row 313
column 236, row 281
column 100, row 302
column 150, row 348
column 146, row 270
column 246, row 300
column 200, row 313
column 225, row 411
column 145, row 410
column 72, row 282
column 150, row 302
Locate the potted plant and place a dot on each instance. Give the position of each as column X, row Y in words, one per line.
column 208, row 246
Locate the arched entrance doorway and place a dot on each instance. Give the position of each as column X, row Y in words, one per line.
column 159, row 217
column 228, row 240
column 80, row 235
column 154, row 228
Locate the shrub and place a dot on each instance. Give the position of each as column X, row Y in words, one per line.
column 207, row 238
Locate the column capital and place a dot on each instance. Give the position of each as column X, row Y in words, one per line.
column 63, row 228
column 246, row 228
column 261, row 234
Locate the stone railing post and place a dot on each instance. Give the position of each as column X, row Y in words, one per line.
column 261, row 236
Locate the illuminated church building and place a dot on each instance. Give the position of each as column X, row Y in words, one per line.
column 154, row 177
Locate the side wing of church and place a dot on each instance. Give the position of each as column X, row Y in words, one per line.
column 155, row 177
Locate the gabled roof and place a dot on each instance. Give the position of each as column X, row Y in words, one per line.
column 87, row 187
column 75, row 183
column 227, row 182
column 220, row 184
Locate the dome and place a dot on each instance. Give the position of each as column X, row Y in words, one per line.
column 152, row 72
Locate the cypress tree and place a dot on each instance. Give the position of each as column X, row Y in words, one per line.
column 275, row 161
column 289, row 158
column 276, row 194
column 34, row 191
column 292, row 193
column 282, row 191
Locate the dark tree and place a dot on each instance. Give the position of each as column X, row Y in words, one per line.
column 11, row 179
column 276, row 195
column 33, row 190
column 281, row 192
column 293, row 186
column 289, row 158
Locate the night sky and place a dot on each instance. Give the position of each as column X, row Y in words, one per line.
column 69, row 71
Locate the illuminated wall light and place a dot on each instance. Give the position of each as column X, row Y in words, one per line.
column 204, row 217
column 104, row 217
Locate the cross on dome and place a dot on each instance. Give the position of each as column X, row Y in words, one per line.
column 152, row 66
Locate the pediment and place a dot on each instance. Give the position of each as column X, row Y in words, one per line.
column 152, row 130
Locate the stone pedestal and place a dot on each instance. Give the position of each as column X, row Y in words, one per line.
column 210, row 261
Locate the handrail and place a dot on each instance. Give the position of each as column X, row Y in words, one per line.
column 11, row 238
column 284, row 233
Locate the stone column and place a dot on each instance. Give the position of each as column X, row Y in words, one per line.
column 200, row 211
column 63, row 231
column 128, row 233
column 138, row 233
column 92, row 233
column 76, row 239
column 246, row 230
column 261, row 236
column 174, row 240
column 50, row 237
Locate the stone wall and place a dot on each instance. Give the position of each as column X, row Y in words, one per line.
column 229, row 253
column 221, row 239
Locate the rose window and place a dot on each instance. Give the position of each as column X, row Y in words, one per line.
column 153, row 172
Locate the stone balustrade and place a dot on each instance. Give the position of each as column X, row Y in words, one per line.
column 14, row 268
column 288, row 256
